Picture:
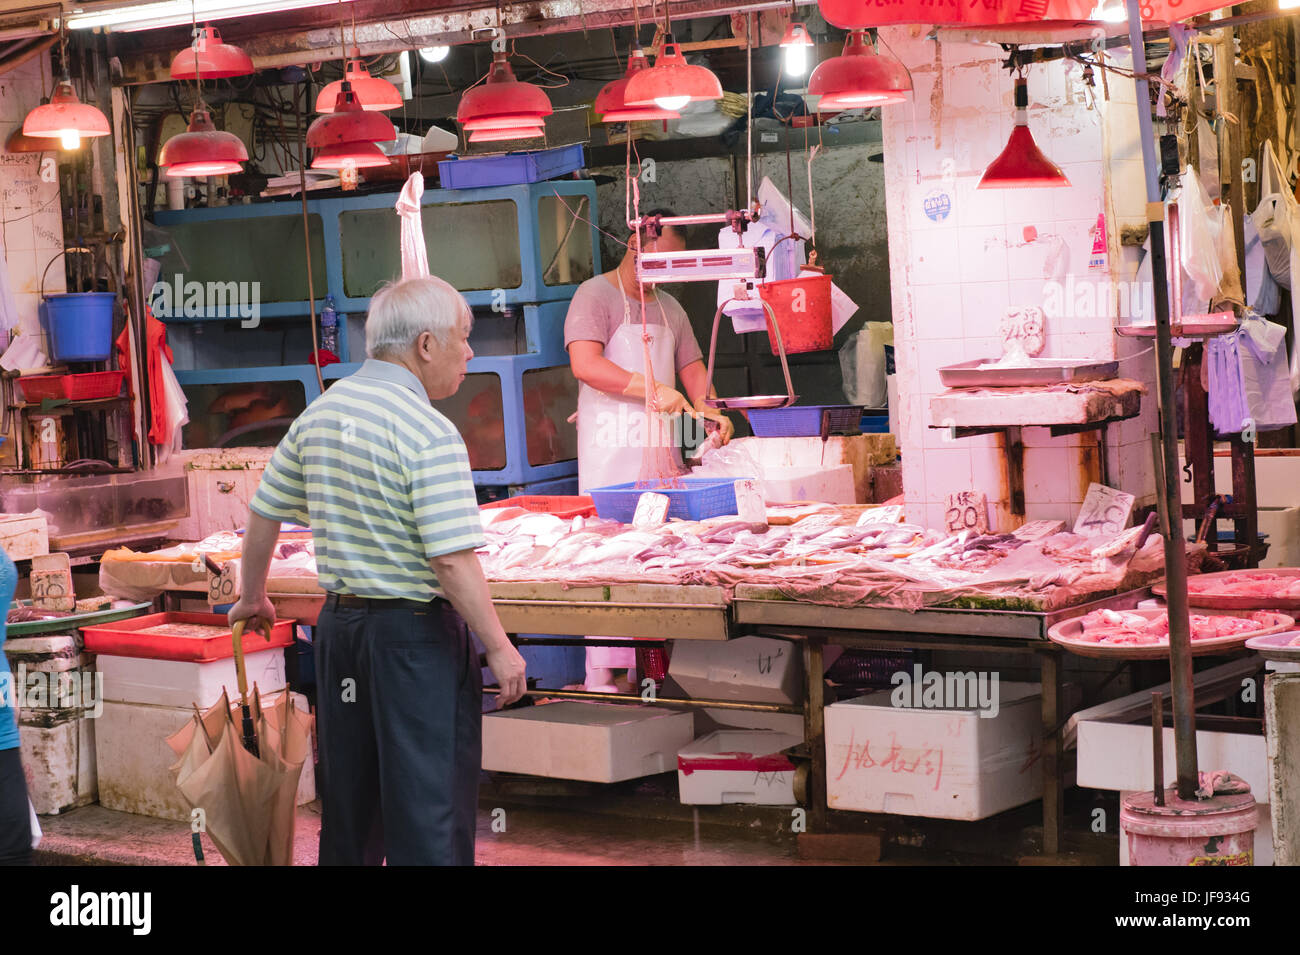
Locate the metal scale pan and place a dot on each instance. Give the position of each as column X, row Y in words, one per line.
column 750, row 401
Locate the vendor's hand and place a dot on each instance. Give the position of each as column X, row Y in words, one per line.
column 671, row 401
column 257, row 612
column 725, row 428
column 509, row 668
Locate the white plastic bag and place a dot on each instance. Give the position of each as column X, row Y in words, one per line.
column 1262, row 293
column 862, row 364
column 1262, row 350
column 1196, row 237
column 1274, row 215
column 415, row 257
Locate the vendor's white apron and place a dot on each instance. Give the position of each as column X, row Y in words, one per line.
column 605, row 424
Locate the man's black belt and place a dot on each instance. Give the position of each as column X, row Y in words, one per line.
column 349, row 602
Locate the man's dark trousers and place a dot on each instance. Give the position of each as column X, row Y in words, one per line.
column 399, row 709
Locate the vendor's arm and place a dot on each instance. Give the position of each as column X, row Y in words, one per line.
column 592, row 368
column 695, row 376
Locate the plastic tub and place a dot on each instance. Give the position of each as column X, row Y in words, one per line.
column 124, row 639
column 565, row 506
column 805, row 421
column 803, row 313
column 80, row 325
column 476, row 172
column 696, row 499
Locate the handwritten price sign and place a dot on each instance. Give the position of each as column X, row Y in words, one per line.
column 224, row 588
column 967, row 511
column 1105, row 511
column 651, row 510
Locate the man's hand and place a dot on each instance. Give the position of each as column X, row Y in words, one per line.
column 725, row 428
column 256, row 609
column 508, row 667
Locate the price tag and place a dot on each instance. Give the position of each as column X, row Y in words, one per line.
column 886, row 514
column 818, row 520
column 51, row 582
column 225, row 588
column 750, row 503
column 1037, row 530
column 967, row 511
column 651, row 510
column 1104, row 511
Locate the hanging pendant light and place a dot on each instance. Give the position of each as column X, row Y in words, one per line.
column 672, row 82
column 611, row 102
column 795, row 43
column 65, row 118
column 349, row 123
column 208, row 58
column 372, row 92
column 203, row 150
column 859, row 77
column 503, row 103
column 513, row 132
column 1021, row 164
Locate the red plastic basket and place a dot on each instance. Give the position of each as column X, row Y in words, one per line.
column 88, row 386
column 578, row 505
column 123, row 638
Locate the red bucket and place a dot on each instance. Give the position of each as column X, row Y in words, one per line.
column 803, row 313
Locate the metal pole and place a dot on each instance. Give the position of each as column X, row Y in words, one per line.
column 1180, row 644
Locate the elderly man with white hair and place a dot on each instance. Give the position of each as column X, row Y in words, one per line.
column 383, row 480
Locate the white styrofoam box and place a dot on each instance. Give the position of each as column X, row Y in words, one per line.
column 940, row 763
column 833, row 485
column 59, row 763
column 178, row 683
column 595, row 742
column 134, row 760
column 752, row 669
column 737, row 766
column 791, row 723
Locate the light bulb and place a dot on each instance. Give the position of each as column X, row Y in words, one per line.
column 434, row 54
column 1116, row 11
column 69, row 139
column 796, row 59
column 1288, row 4
column 671, row 102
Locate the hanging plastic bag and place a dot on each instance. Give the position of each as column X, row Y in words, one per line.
column 862, row 364
column 1197, row 240
column 1274, row 215
column 1262, row 293
column 1229, row 290
column 415, row 257
column 1249, row 385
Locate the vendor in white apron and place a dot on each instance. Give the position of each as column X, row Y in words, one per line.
column 602, row 332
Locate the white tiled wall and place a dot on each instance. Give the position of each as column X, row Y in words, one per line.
column 953, row 277
column 30, row 218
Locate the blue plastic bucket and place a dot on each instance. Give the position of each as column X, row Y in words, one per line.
column 79, row 325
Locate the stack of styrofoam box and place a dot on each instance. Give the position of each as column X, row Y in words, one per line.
column 595, row 742
column 748, row 669
column 58, row 741
column 941, row 763
column 737, row 766
column 145, row 701
column 1118, row 756
column 832, row 484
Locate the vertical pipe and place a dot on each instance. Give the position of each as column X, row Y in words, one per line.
column 1158, row 748
column 1180, row 647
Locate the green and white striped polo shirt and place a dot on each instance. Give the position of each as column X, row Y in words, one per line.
column 382, row 479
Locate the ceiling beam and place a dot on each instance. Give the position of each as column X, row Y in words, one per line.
column 386, row 27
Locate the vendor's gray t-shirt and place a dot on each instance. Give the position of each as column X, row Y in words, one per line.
column 597, row 310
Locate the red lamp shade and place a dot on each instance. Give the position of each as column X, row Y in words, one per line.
column 349, row 155
column 203, row 150
column 349, row 123
column 611, row 101
column 858, row 77
column 672, row 82
column 372, row 92
column 208, row 58
column 512, row 132
column 502, row 102
column 66, row 118
column 1021, row 164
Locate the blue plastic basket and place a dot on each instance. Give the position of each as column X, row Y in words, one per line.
column 800, row 421
column 695, row 500
column 874, row 424
column 476, row 172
